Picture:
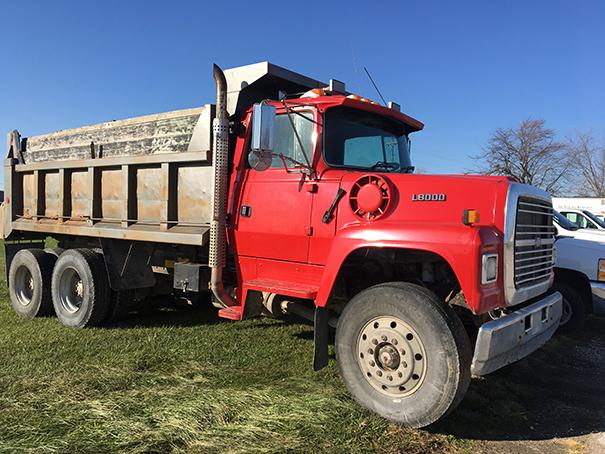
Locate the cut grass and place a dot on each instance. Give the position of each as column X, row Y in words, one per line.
column 184, row 381
column 181, row 380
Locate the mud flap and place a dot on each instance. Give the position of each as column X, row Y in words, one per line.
column 320, row 338
column 127, row 263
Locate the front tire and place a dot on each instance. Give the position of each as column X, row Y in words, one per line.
column 403, row 354
column 80, row 288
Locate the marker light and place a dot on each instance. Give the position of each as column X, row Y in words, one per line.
column 601, row 274
column 470, row 217
column 314, row 93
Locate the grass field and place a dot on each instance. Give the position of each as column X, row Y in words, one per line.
column 184, row 381
column 180, row 380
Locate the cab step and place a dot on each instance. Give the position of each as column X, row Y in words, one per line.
column 232, row 312
column 298, row 290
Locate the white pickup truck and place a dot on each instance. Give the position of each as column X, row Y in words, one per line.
column 584, row 219
column 564, row 227
column 579, row 273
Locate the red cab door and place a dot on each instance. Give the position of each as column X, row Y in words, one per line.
column 274, row 215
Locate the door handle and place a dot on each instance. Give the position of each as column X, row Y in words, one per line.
column 246, row 211
column 329, row 214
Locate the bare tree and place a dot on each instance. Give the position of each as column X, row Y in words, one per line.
column 528, row 153
column 588, row 158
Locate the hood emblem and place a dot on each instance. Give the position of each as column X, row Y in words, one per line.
column 429, row 197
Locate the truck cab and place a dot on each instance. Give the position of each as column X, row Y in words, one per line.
column 566, row 228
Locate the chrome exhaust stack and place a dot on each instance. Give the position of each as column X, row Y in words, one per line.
column 220, row 157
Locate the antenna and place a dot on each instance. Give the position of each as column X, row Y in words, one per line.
column 375, row 86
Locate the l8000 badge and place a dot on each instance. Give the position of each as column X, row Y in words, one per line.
column 429, row 197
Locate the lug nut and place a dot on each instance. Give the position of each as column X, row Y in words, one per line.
column 384, row 338
column 379, row 373
column 372, row 363
column 404, row 364
column 390, row 378
column 374, row 341
column 370, row 351
column 394, row 342
column 399, row 374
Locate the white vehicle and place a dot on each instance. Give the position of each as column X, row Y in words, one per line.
column 584, row 219
column 580, row 277
column 593, row 204
column 567, row 228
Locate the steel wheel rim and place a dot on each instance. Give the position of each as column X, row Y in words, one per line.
column 566, row 312
column 24, row 286
column 391, row 356
column 71, row 290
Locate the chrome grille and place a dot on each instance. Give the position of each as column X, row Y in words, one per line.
column 534, row 242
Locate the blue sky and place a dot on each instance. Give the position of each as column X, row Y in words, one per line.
column 463, row 68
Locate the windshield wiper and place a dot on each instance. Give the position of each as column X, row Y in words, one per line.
column 393, row 166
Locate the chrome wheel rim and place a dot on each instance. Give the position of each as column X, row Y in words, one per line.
column 392, row 357
column 566, row 312
column 71, row 290
column 24, row 286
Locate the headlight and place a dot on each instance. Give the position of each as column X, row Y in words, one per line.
column 601, row 273
column 489, row 268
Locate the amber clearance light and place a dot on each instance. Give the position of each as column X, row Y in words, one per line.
column 470, row 217
column 601, row 274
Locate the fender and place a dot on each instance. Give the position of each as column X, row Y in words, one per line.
column 455, row 243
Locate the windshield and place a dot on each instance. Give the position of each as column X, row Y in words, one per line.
column 359, row 139
column 564, row 222
column 595, row 219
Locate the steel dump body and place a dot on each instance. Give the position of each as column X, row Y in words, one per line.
column 146, row 178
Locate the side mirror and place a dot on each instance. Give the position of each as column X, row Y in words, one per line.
column 260, row 160
column 263, row 127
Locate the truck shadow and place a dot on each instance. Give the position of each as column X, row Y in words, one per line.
column 558, row 391
column 163, row 312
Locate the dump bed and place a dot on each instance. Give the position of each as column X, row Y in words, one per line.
column 145, row 178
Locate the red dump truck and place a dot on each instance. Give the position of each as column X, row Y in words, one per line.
column 289, row 195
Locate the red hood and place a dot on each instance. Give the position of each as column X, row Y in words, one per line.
column 448, row 197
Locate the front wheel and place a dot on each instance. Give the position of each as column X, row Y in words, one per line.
column 403, row 354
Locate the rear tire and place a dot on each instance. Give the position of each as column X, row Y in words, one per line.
column 29, row 283
column 403, row 354
column 80, row 288
column 574, row 313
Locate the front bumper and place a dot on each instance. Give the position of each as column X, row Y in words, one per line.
column 598, row 297
column 516, row 335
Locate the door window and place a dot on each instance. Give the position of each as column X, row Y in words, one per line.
column 579, row 220
column 286, row 143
